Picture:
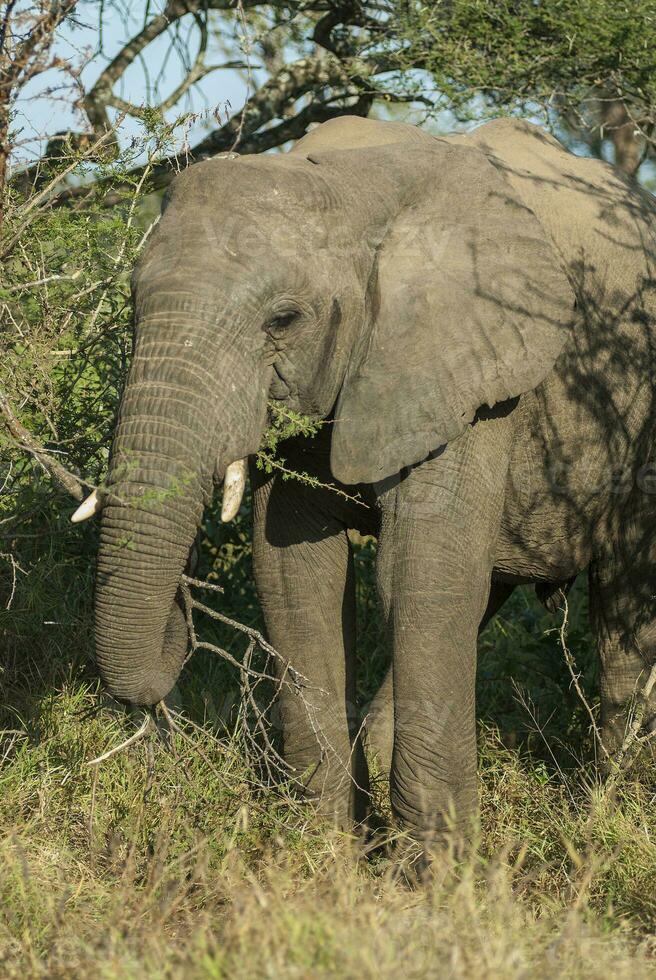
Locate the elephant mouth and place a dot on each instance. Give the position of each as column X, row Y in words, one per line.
column 280, row 388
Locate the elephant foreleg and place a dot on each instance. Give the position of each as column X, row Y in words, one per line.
column 304, row 573
column 436, row 549
column 379, row 722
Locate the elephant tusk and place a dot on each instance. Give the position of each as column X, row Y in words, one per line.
column 87, row 508
column 233, row 489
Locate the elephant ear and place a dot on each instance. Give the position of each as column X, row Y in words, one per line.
column 468, row 306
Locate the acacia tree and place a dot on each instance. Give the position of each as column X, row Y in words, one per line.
column 315, row 57
column 585, row 66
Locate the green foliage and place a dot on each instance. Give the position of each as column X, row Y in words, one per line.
column 284, row 424
column 65, row 344
column 567, row 61
column 516, row 52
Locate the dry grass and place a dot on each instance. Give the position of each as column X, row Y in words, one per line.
column 179, row 866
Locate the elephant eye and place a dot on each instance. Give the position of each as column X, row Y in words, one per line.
column 282, row 320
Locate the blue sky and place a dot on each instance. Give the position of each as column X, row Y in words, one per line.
column 45, row 104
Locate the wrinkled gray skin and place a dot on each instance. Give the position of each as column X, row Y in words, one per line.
column 401, row 284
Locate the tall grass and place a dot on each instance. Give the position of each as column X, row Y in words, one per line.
column 172, row 860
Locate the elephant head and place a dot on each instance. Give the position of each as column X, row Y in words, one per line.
column 399, row 287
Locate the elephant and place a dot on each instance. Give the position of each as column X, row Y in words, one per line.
column 472, row 319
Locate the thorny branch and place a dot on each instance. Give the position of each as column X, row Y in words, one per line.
column 633, row 740
column 334, row 78
column 636, row 718
column 260, row 685
column 576, row 675
column 64, row 479
column 249, row 129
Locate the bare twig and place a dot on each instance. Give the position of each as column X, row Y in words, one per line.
column 177, row 729
column 44, row 281
column 92, row 805
column 15, row 567
column 576, row 675
column 250, row 631
column 632, row 738
column 61, row 476
column 255, row 723
column 141, row 733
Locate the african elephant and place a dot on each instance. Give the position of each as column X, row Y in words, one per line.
column 474, row 316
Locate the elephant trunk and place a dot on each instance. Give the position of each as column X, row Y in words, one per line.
column 173, row 436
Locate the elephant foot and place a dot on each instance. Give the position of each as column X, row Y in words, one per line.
column 417, row 860
column 418, row 866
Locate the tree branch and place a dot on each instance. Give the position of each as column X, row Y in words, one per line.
column 25, row 60
column 101, row 95
column 337, row 83
column 272, row 98
column 19, row 63
column 268, row 103
column 36, row 199
column 65, row 481
column 297, row 126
